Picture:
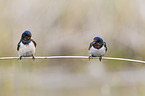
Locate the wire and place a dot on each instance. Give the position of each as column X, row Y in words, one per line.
column 75, row 57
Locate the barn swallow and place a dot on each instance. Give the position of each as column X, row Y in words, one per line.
column 97, row 48
column 26, row 46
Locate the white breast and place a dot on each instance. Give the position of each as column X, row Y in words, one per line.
column 26, row 50
column 97, row 52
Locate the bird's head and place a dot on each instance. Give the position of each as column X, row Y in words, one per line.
column 26, row 35
column 97, row 41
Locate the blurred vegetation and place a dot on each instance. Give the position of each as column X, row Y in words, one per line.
column 66, row 27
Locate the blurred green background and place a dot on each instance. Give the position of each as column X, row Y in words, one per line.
column 66, row 27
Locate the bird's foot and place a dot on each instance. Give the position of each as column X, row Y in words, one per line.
column 33, row 58
column 90, row 57
column 20, row 58
column 100, row 58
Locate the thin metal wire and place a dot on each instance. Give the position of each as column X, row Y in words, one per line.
column 75, row 57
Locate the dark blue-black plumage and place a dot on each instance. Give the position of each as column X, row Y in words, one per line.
column 25, row 40
column 97, row 48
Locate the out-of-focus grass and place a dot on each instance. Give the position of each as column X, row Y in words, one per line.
column 63, row 77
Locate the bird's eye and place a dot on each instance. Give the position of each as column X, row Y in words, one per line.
column 94, row 41
column 29, row 35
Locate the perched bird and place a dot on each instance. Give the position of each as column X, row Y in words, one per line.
column 97, row 48
column 26, row 47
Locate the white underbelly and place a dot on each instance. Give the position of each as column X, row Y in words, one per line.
column 97, row 52
column 26, row 50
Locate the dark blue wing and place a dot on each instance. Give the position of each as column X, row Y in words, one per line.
column 91, row 44
column 105, row 45
column 35, row 44
column 18, row 46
